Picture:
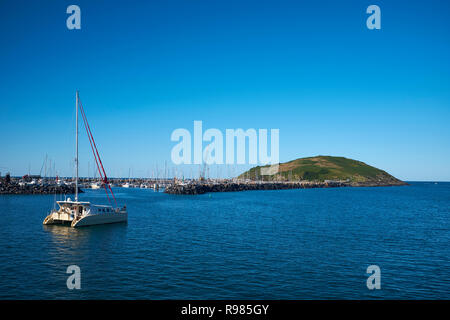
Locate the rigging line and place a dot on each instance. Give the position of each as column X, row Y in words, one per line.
column 109, row 186
column 95, row 157
column 90, row 141
column 104, row 185
column 91, row 137
column 96, row 150
column 86, row 124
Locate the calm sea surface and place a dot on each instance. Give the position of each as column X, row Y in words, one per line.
column 290, row 244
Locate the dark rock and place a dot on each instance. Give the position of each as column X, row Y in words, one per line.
column 15, row 188
column 201, row 188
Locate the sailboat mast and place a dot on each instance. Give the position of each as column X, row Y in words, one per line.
column 76, row 147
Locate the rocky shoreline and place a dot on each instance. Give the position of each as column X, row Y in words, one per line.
column 15, row 188
column 201, row 188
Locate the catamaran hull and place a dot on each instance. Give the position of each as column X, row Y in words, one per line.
column 58, row 218
column 103, row 218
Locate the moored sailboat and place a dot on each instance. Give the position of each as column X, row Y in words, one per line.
column 80, row 213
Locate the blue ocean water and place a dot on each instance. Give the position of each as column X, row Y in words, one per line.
column 288, row 244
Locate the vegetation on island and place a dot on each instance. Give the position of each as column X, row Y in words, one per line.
column 323, row 168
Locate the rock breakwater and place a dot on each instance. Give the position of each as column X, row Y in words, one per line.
column 201, row 188
column 15, row 188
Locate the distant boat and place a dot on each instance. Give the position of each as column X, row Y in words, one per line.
column 78, row 213
column 95, row 185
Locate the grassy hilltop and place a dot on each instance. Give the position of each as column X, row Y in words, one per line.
column 321, row 168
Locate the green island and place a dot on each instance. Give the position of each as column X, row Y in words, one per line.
column 324, row 168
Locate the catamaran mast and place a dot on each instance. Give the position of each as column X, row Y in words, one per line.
column 76, row 147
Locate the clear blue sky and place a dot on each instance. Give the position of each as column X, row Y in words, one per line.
column 310, row 68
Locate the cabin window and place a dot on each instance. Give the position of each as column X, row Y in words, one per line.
column 80, row 210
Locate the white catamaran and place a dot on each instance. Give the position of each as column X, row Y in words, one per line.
column 78, row 213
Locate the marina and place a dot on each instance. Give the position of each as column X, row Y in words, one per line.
column 50, row 185
column 172, row 186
